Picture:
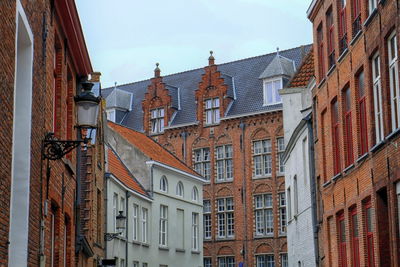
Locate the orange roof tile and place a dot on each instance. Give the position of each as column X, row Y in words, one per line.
column 305, row 72
column 151, row 148
column 118, row 169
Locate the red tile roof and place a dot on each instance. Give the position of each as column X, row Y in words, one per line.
column 305, row 72
column 118, row 169
column 151, row 148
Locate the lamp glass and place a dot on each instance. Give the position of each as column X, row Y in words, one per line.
column 87, row 113
column 120, row 222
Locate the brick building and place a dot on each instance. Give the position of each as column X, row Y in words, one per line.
column 43, row 58
column 357, row 115
column 226, row 122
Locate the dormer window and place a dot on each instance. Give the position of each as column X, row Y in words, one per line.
column 271, row 94
column 212, row 111
column 157, row 120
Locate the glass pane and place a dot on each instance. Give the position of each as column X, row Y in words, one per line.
column 257, row 165
column 208, row 104
column 229, row 169
column 267, row 164
column 258, row 201
column 267, row 146
column 206, row 206
column 216, row 116
column 269, row 89
column 220, row 170
column 277, row 87
column 220, row 152
column 161, row 112
column 369, row 220
column 206, row 154
column 208, row 116
column 228, row 151
column 216, row 103
column 258, row 147
column 229, row 203
column 221, row 204
column 268, row 200
column 361, row 90
column 355, row 225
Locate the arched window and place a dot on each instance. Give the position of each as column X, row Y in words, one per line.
column 164, row 184
column 179, row 189
column 195, row 194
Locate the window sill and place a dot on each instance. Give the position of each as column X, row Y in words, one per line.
column 362, row 157
column 282, row 234
column 163, row 248
column 195, row 252
column 225, row 239
column 331, row 69
column 145, row 245
column 336, row 177
column 263, row 236
column 155, row 134
column 377, row 146
column 223, row 181
column 207, row 240
column 135, row 242
column 321, row 83
column 262, row 177
column 355, row 38
column 370, row 17
column 180, row 250
column 348, row 168
column 211, row 124
column 280, row 174
column 393, row 134
column 343, row 55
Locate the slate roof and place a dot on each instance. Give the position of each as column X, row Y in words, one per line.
column 280, row 66
column 305, row 72
column 245, row 84
column 119, row 170
column 151, row 148
column 119, row 98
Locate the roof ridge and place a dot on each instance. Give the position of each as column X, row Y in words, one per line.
column 226, row 63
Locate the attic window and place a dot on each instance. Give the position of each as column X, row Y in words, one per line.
column 212, row 111
column 271, row 94
column 157, row 120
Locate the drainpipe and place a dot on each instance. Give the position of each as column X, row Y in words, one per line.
column 184, row 135
column 313, row 188
column 126, row 226
column 242, row 126
column 107, row 178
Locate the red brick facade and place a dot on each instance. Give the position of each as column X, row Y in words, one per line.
column 60, row 59
column 240, row 133
column 357, row 172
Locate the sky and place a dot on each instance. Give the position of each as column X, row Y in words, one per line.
column 125, row 38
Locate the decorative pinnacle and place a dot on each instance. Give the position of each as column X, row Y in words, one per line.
column 277, row 51
column 157, row 70
column 211, row 58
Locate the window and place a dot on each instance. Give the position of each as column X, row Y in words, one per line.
column 202, row 163
column 224, row 163
column 180, row 229
column 164, row 184
column 226, row 261
column 122, row 208
column 282, row 212
column 377, row 89
column 348, row 136
column 264, row 215
column 135, row 226
column 207, row 262
column 163, row 234
column 321, row 59
column 145, row 219
column 157, row 120
column 354, row 237
column 342, row 26
column 212, row 111
column 289, row 203
column 262, row 158
column 281, row 152
column 342, row 240
column 195, row 194
column 179, row 189
column 323, row 144
column 284, row 260
column 331, row 38
column 394, row 81
column 372, row 6
column 135, row 264
column 296, row 196
column 122, row 263
column 195, row 231
column 362, row 114
column 207, row 219
column 265, row 261
column 356, row 13
column 144, row 264
column 225, row 218
column 271, row 91
column 335, row 136
column 115, row 211
column 369, row 230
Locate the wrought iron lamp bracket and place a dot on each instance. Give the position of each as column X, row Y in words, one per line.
column 54, row 149
column 110, row 236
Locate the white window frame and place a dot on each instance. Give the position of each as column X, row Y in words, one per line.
column 180, row 189
column 145, row 219
column 377, row 89
column 264, row 260
column 207, row 219
column 135, row 222
column 163, row 227
column 115, row 211
column 157, row 116
column 202, row 162
column 164, row 184
column 372, row 5
column 262, row 158
column 224, row 163
column 212, row 111
column 135, row 264
column 195, row 231
column 276, row 98
column 394, row 81
column 282, row 212
column 284, row 259
column 195, row 194
column 264, row 214
column 226, row 261
column 208, row 263
column 289, row 203
column 280, row 143
column 225, row 218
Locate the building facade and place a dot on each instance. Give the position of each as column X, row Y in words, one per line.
column 356, row 110
column 43, row 58
column 163, row 205
column 300, row 187
column 225, row 121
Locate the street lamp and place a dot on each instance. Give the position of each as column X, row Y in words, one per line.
column 120, row 225
column 87, row 111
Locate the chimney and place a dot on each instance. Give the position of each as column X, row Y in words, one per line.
column 157, row 71
column 211, row 59
column 95, row 77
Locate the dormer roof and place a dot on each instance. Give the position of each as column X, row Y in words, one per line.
column 174, row 93
column 279, row 66
column 119, row 99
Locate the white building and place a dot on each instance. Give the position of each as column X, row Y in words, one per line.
column 161, row 198
column 299, row 174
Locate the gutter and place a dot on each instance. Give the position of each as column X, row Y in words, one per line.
column 311, row 8
column 252, row 113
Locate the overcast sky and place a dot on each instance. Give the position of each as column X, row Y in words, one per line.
column 125, row 38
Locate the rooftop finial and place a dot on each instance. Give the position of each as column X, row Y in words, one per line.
column 277, row 51
column 211, row 58
column 157, row 70
column 115, row 84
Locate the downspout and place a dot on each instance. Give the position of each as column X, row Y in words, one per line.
column 313, row 188
column 184, row 135
column 107, row 178
column 242, row 126
column 126, row 226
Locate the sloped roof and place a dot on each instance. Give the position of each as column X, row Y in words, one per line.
column 119, row 170
column 280, row 66
column 120, row 99
column 305, row 73
column 151, row 148
column 245, row 74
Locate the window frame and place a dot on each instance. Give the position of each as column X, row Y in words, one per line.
column 342, row 239
column 280, row 151
column 321, row 58
column 393, row 68
column 202, row 164
column 362, row 112
column 264, row 225
column 135, row 222
column 335, row 136
column 342, row 26
column 369, row 233
column 145, row 225
column 282, row 213
column 265, row 155
column 275, row 96
column 372, row 6
column 207, row 223
column 225, row 218
column 355, row 236
column 157, row 120
column 214, row 110
column 163, row 226
column 331, row 37
column 164, row 184
column 195, row 194
column 348, row 126
column 227, row 163
column 377, row 93
column 264, row 260
column 195, row 231
column 227, row 261
column 180, row 192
